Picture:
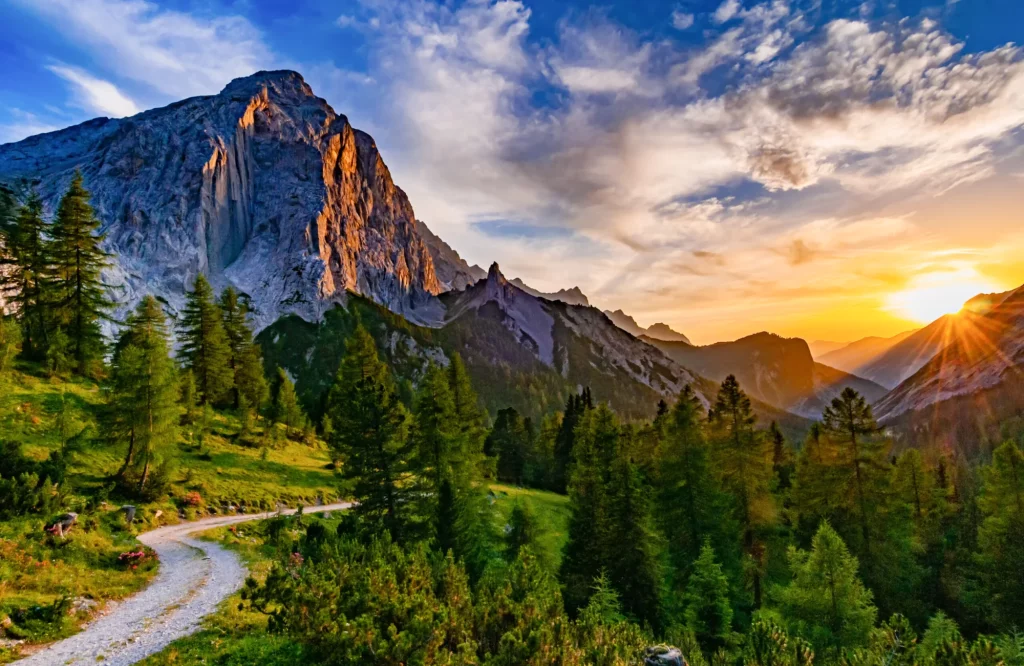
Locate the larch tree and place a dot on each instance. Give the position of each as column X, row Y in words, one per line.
column 80, row 301
column 692, row 505
column 708, row 612
column 142, row 399
column 1001, row 537
column 860, row 456
column 28, row 277
column 371, row 437
column 826, row 603
column 743, row 461
column 205, row 349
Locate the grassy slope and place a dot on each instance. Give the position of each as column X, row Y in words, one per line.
column 37, row 570
column 550, row 510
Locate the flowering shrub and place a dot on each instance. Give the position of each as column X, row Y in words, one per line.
column 132, row 559
column 192, row 498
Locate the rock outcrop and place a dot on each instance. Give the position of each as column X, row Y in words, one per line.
column 263, row 186
column 453, row 272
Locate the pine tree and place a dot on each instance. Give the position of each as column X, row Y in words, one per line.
column 849, row 424
column 285, row 406
column 246, row 360
column 575, row 406
column 744, row 463
column 693, row 506
column 204, row 344
column 80, row 301
column 782, row 457
column 708, row 611
column 632, row 557
column 826, row 603
column 468, row 414
column 1001, row 537
column 371, row 437
column 522, row 531
column 583, row 555
column 509, row 442
column 28, row 277
column 141, row 409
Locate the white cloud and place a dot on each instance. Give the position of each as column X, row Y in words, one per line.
column 95, row 94
column 681, row 20
column 174, row 53
column 727, row 10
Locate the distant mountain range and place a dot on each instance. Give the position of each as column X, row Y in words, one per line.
column 777, row 370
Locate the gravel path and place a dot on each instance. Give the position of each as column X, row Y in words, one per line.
column 194, row 577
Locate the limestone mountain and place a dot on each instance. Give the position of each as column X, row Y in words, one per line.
column 263, row 186
column 780, row 371
column 657, row 331
column 967, row 388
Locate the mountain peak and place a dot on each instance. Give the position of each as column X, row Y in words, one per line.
column 284, row 80
column 494, row 274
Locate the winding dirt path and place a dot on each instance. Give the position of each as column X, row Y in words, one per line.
column 194, row 577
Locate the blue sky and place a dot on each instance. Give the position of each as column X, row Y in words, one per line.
column 723, row 166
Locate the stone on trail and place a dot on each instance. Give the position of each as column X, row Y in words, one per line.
column 664, row 655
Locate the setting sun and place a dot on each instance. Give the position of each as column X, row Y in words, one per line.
column 929, row 301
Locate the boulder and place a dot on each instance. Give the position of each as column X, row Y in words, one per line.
column 129, row 513
column 664, row 655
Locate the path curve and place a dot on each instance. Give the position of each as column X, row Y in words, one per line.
column 194, row 577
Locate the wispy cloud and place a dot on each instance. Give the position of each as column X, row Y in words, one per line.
column 95, row 94
column 175, row 53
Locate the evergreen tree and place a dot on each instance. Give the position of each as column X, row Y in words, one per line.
column 468, row 414
column 744, row 463
column 782, row 457
column 509, row 442
column 246, row 360
column 285, row 402
column 80, row 300
column 632, row 557
column 204, row 344
column 141, row 410
column 371, row 438
column 826, row 603
column 1001, row 537
column 693, row 506
column 575, row 407
column 28, row 277
column 522, row 531
column 583, row 555
column 849, row 424
column 708, row 611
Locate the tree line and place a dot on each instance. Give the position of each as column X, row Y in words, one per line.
column 701, row 528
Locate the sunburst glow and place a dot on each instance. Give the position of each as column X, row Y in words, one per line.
column 927, row 300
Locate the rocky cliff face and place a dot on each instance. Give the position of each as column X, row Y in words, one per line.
column 453, row 272
column 263, row 186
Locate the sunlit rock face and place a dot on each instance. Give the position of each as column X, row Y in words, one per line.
column 262, row 186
